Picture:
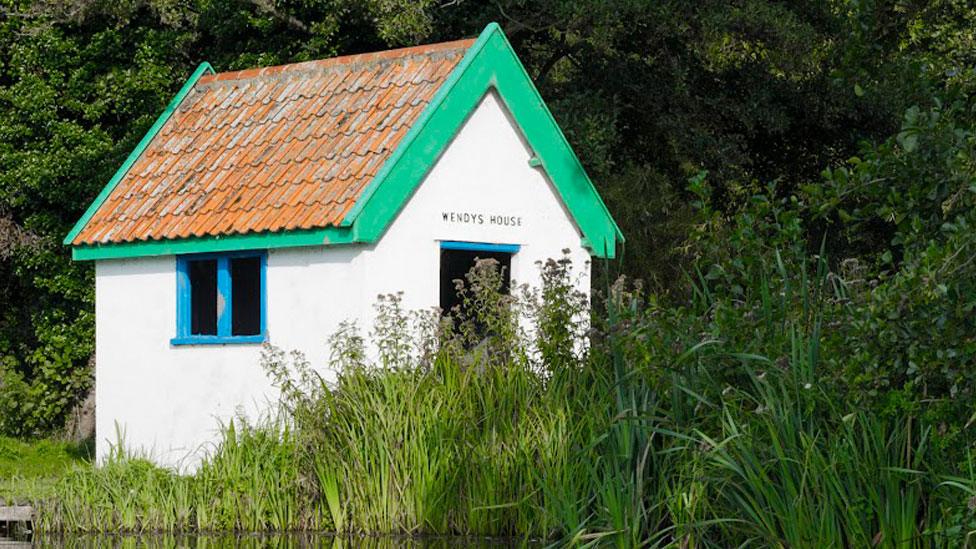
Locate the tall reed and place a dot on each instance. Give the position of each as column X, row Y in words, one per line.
column 711, row 424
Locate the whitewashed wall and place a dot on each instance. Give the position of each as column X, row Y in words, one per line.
column 485, row 171
column 168, row 401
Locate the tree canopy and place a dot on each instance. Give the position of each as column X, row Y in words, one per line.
column 858, row 112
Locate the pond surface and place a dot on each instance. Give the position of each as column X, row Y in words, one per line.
column 255, row 541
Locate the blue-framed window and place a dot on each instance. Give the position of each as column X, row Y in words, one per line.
column 221, row 298
column 459, row 257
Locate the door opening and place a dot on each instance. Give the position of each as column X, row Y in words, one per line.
column 457, row 258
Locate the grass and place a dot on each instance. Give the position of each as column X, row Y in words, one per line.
column 30, row 470
column 288, row 540
column 666, row 431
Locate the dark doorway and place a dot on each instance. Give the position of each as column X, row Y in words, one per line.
column 455, row 264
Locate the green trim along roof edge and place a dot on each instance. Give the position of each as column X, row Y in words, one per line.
column 326, row 236
column 134, row 155
column 490, row 64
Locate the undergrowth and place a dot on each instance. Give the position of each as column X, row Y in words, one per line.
column 811, row 381
column 30, row 470
column 528, row 416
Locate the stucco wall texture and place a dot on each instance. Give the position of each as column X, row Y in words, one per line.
column 167, row 402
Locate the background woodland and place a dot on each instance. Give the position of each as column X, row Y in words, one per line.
column 729, row 139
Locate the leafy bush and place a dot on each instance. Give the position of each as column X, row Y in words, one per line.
column 909, row 345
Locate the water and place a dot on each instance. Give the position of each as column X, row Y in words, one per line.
column 262, row 541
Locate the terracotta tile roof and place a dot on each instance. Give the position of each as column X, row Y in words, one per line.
column 272, row 149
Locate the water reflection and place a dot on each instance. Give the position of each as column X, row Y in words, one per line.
column 248, row 541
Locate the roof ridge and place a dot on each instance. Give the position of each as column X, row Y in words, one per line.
column 352, row 60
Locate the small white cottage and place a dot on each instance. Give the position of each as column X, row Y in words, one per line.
column 269, row 205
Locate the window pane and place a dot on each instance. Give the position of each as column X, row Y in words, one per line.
column 455, row 265
column 203, row 297
column 245, row 275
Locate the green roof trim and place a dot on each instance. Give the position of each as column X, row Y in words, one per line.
column 252, row 241
column 202, row 69
column 490, row 64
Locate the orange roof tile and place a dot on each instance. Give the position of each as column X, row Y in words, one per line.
column 272, row 149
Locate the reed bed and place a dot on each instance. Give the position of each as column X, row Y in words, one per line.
column 642, row 426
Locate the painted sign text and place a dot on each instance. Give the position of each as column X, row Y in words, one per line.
column 478, row 218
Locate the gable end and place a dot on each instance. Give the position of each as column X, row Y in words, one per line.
column 490, row 64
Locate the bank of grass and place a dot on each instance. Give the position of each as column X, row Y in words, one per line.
column 29, row 470
column 709, row 426
column 274, row 540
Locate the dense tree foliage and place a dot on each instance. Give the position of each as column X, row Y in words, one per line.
column 853, row 117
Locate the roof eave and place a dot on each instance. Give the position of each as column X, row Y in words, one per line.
column 327, row 236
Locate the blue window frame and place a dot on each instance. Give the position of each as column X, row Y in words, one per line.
column 479, row 247
column 221, row 298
